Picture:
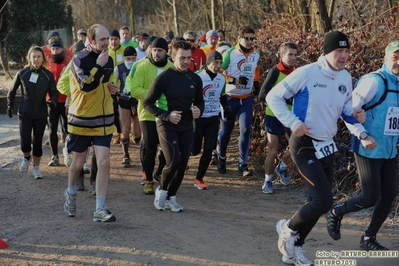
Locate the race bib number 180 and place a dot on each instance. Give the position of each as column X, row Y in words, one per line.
column 392, row 122
column 324, row 148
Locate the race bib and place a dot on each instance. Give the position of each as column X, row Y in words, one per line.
column 33, row 77
column 119, row 58
column 392, row 122
column 247, row 70
column 324, row 148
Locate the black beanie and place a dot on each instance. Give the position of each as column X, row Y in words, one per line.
column 52, row 34
column 79, row 46
column 212, row 56
column 114, row 33
column 130, row 51
column 335, row 40
column 160, row 43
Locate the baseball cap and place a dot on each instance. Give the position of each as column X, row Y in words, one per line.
column 392, row 47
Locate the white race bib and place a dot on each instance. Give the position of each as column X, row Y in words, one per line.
column 392, row 122
column 119, row 58
column 33, row 77
column 324, row 148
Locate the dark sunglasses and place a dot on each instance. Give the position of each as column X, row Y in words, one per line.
column 190, row 40
column 249, row 38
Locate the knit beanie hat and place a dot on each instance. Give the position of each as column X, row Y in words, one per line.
column 130, row 51
column 335, row 40
column 79, row 46
column 212, row 56
column 160, row 43
column 212, row 34
column 52, row 34
column 114, row 33
column 82, row 32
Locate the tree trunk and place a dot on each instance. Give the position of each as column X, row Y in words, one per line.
column 324, row 19
column 213, row 14
column 130, row 7
column 175, row 17
column 305, row 16
column 223, row 14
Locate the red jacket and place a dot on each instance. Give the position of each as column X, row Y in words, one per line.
column 199, row 58
column 56, row 69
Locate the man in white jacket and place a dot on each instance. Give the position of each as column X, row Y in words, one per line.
column 322, row 93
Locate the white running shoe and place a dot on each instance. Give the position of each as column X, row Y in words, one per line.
column 67, row 156
column 172, row 205
column 300, row 259
column 36, row 172
column 286, row 238
column 160, row 199
column 287, row 260
column 24, row 164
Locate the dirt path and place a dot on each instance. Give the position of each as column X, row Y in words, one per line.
column 232, row 223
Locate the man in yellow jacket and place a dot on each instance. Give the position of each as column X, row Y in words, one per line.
column 90, row 116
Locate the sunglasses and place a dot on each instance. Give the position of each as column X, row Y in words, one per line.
column 249, row 38
column 190, row 40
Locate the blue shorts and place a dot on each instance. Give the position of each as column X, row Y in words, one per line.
column 79, row 144
column 273, row 126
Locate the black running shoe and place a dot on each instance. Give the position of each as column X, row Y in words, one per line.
column 333, row 225
column 371, row 244
column 222, row 165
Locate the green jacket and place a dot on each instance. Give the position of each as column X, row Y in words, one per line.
column 139, row 81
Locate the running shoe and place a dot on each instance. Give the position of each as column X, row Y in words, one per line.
column 24, row 164
column 54, row 161
column 283, row 175
column 70, row 204
column 171, row 204
column 36, row 172
column 286, row 238
column 371, row 244
column 267, row 187
column 200, row 184
column 103, row 215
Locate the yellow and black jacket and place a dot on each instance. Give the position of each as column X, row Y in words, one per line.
column 90, row 111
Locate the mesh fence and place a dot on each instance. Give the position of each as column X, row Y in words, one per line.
column 15, row 45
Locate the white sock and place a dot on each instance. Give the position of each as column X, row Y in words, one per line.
column 283, row 166
column 268, row 177
column 71, row 190
column 100, row 202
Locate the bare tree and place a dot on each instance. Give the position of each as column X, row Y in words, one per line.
column 130, row 7
column 175, row 15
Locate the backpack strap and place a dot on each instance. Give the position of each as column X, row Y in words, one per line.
column 384, row 95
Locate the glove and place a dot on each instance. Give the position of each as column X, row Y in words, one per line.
column 227, row 113
column 243, row 80
column 52, row 105
column 9, row 111
column 256, row 88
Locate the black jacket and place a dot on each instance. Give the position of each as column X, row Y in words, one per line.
column 33, row 103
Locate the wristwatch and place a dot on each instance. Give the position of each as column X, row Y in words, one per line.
column 363, row 135
column 232, row 80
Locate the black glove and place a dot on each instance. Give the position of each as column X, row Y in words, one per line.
column 227, row 113
column 243, row 80
column 256, row 88
column 52, row 105
column 9, row 111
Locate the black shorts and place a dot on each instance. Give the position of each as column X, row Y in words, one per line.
column 79, row 144
column 127, row 103
column 273, row 126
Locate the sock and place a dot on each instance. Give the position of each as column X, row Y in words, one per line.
column 223, row 158
column 268, row 178
column 125, row 146
column 71, row 190
column 100, row 202
column 27, row 158
column 283, row 166
column 365, row 237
